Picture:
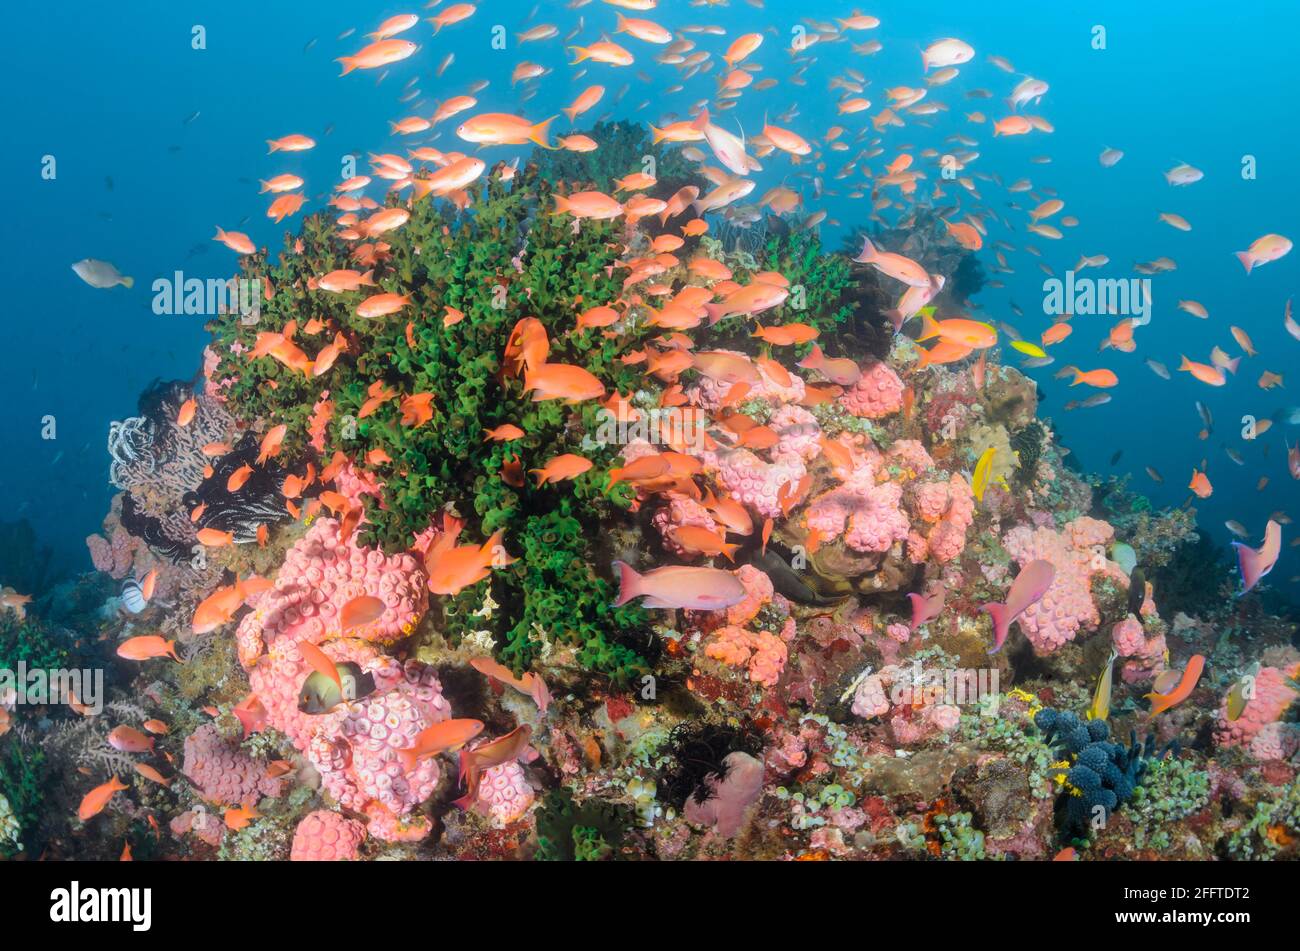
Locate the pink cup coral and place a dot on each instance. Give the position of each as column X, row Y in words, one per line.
column 1077, row 553
column 325, row 836
column 319, row 577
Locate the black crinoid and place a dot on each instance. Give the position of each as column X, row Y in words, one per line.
column 1103, row 775
column 696, row 752
column 1028, row 444
column 259, row 501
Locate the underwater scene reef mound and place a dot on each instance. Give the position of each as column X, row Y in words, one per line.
column 566, row 506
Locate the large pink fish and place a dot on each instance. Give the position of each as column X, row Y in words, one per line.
column 679, row 586
column 927, row 607
column 1028, row 588
column 1255, row 563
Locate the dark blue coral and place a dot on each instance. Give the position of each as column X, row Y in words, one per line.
column 1104, row 773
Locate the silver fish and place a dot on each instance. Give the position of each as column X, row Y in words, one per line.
column 101, row 274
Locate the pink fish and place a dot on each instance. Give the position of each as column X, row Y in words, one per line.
column 1255, row 563
column 1028, row 588
column 927, row 607
column 841, row 370
column 679, row 586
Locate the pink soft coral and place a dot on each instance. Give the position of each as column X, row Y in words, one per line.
column 865, row 512
column 326, row 836
column 319, row 577
column 1270, row 701
column 878, row 393
column 1077, row 554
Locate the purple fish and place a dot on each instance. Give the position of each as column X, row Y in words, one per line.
column 679, row 586
column 927, row 607
column 1028, row 589
column 1255, row 563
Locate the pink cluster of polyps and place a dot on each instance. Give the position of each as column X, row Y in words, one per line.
column 798, row 433
column 913, row 715
column 763, row 654
column 222, row 773
column 758, row 592
column 354, row 484
column 326, row 836
column 878, row 393
column 1146, row 656
column 504, row 794
column 949, row 507
column 679, row 512
column 320, row 575
column 356, row 748
column 753, row 482
column 208, row 826
column 1258, row 725
column 865, row 512
column 1077, row 552
column 909, row 454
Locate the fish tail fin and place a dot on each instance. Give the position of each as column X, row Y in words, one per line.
column 538, row 133
column 1078, row 376
column 716, row 312
column 729, row 549
column 657, row 135
column 171, row 651
column 929, row 327
column 701, row 121
column 628, row 583
column 813, row 360
column 1186, row 364
column 129, row 282
column 570, row 112
column 581, row 54
column 1246, row 260
column 562, row 204
column 868, row 252
column 1001, row 623
column 274, row 146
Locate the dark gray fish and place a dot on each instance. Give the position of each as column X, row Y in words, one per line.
column 787, row 581
column 190, row 118
column 319, row 694
column 1115, row 458
column 1137, row 589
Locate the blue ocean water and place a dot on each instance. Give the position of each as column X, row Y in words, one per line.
column 155, row 143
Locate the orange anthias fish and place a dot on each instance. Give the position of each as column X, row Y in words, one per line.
column 1100, row 378
column 530, row 684
column 446, row 736
column 359, row 612
column 1200, row 484
column 451, row 570
column 560, row 381
column 560, row 468
column 237, row 819
column 473, row 763
column 527, row 347
column 1160, row 702
column 147, row 647
column 98, row 798
column 320, row 662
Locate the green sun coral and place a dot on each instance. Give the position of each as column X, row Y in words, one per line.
column 507, row 258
